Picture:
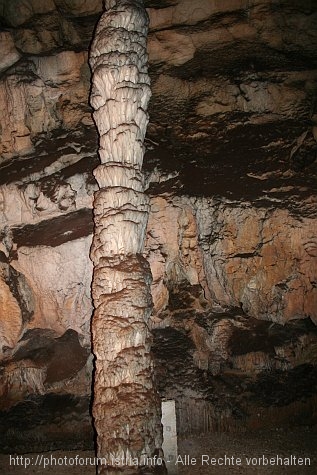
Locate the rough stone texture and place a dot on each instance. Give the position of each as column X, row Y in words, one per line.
column 172, row 247
column 229, row 372
column 33, row 106
column 10, row 54
column 266, row 264
column 231, row 174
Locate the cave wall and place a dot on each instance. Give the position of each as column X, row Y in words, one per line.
column 230, row 171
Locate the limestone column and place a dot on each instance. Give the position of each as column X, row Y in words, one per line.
column 126, row 408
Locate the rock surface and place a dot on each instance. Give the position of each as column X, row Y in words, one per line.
column 230, row 170
column 126, row 407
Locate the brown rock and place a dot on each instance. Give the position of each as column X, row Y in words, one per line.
column 16, row 12
column 11, row 318
column 79, row 7
column 9, row 53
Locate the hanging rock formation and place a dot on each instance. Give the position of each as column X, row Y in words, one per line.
column 126, row 408
column 230, row 170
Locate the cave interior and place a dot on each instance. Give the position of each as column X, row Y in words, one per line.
column 231, row 240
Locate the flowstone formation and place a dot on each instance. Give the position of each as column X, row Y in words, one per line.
column 230, row 170
column 126, row 408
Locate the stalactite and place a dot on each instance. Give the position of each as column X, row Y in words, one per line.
column 126, row 408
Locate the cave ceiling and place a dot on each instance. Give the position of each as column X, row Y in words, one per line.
column 230, row 168
column 233, row 92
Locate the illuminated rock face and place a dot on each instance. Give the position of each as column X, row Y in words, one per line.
column 231, row 174
column 126, row 408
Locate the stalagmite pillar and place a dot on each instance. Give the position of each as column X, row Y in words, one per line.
column 126, row 408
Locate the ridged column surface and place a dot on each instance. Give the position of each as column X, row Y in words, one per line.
column 126, row 408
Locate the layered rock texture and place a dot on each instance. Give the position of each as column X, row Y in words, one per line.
column 230, row 174
column 126, row 407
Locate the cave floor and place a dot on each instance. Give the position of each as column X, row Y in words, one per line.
column 256, row 447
